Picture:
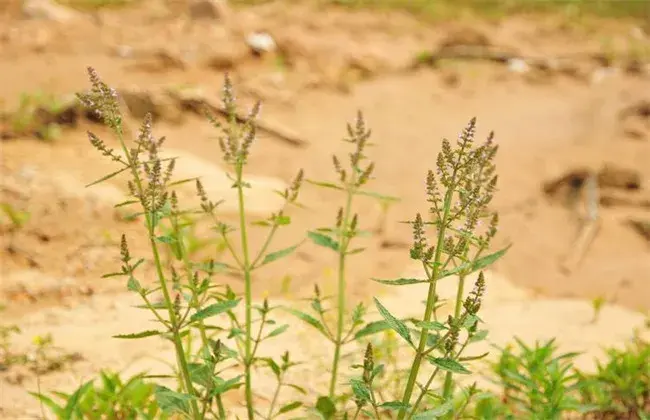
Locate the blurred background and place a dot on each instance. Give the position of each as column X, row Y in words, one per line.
column 565, row 86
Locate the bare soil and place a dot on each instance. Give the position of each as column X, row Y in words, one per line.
column 577, row 109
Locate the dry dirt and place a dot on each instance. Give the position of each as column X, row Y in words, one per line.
column 581, row 105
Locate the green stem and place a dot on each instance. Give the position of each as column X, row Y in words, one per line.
column 431, row 300
column 275, row 398
column 176, row 337
column 248, row 295
column 343, row 245
column 459, row 303
column 195, row 298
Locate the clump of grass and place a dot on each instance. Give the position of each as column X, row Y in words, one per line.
column 115, row 398
column 620, row 387
column 459, row 191
column 37, row 114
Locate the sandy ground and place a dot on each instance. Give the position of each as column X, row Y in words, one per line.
column 582, row 108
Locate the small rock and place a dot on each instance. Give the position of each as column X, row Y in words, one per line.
column 124, row 51
column 518, row 65
column 160, row 106
column 49, row 10
column 160, row 61
column 465, row 36
column 261, row 42
column 620, row 178
column 209, row 9
column 226, row 55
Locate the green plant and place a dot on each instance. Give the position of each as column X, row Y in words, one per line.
column 621, row 384
column 114, row 399
column 7, row 356
column 195, row 308
column 536, row 382
column 16, row 217
column 36, row 115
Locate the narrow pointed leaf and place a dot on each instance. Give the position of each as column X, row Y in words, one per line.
column 378, row 196
column 397, row 325
column 73, row 402
column 394, row 405
column 272, row 256
column 324, row 184
column 450, row 365
column 431, row 325
column 214, row 309
column 308, row 319
column 290, row 407
column 372, row 328
column 278, row 331
column 143, row 334
column 400, row 281
column 323, row 240
column 107, row 177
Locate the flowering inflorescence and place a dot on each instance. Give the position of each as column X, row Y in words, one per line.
column 357, row 135
column 103, row 100
column 467, row 176
column 239, row 133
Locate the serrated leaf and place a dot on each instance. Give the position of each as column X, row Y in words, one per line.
column 360, row 390
column 471, row 267
column 214, row 309
column 222, row 386
column 372, row 328
column 397, row 325
column 479, row 336
column 470, row 320
column 450, row 365
column 325, row 407
column 167, row 239
column 308, row 319
column 323, row 240
column 172, row 402
column 200, row 374
column 437, row 412
column 272, row 256
column 289, row 407
column 143, row 334
column 400, row 281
